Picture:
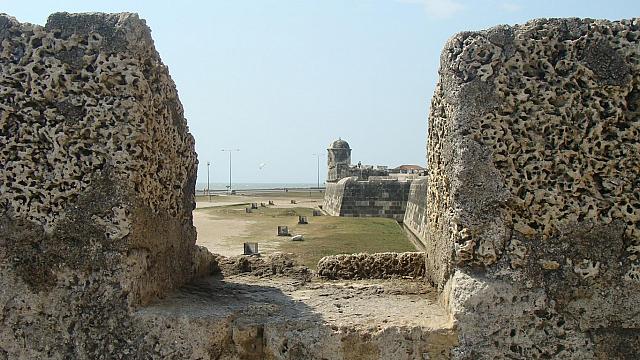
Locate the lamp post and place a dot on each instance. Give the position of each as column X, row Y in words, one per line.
column 208, row 187
column 230, row 151
column 318, row 168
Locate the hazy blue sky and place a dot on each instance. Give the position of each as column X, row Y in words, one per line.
column 280, row 79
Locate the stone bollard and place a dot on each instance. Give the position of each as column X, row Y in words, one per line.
column 251, row 248
column 283, row 231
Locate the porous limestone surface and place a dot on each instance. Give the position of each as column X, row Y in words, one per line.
column 97, row 173
column 84, row 94
column 533, row 210
column 249, row 317
column 372, row 266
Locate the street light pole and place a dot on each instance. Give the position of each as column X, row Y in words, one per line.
column 318, row 166
column 208, row 188
column 230, row 151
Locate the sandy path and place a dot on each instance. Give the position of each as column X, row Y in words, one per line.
column 214, row 233
column 281, row 202
column 220, row 235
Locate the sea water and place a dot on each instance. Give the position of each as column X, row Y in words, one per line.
column 254, row 186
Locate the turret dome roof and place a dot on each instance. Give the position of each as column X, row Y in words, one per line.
column 339, row 144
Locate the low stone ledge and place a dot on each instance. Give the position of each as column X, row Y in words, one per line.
column 372, row 266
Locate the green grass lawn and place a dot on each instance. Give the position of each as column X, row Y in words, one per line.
column 324, row 235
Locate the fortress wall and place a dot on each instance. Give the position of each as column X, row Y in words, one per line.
column 416, row 213
column 373, row 198
column 96, row 185
column 533, row 203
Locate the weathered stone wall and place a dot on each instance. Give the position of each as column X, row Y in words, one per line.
column 97, row 172
column 333, row 196
column 372, row 266
column 373, row 198
column 415, row 215
column 533, row 202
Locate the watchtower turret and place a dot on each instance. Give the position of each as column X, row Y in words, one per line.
column 338, row 160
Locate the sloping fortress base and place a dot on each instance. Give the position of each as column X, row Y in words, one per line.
column 531, row 216
column 415, row 216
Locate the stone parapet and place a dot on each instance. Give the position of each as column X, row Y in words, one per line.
column 532, row 205
column 96, row 188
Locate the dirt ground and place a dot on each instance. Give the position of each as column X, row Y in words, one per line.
column 214, row 233
column 223, row 226
column 219, row 234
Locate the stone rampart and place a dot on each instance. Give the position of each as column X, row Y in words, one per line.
column 371, row 198
column 333, row 196
column 416, row 213
column 533, row 203
column 372, row 266
column 96, row 186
